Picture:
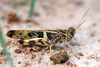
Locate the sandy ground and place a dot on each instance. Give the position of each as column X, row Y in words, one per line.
column 54, row 14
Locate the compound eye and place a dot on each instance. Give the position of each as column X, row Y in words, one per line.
column 72, row 32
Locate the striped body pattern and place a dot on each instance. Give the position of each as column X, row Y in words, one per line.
column 41, row 38
column 38, row 39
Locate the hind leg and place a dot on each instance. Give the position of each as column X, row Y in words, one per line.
column 71, row 49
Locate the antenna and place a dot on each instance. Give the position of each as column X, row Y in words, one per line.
column 80, row 25
column 81, row 20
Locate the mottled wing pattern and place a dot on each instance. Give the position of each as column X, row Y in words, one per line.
column 18, row 34
column 31, row 38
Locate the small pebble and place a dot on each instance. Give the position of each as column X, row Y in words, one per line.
column 80, row 54
column 92, row 35
column 94, row 24
column 98, row 40
column 67, row 62
column 17, row 51
column 19, row 62
column 33, row 56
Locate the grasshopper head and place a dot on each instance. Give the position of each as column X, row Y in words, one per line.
column 70, row 33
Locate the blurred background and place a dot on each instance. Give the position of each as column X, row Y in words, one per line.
column 52, row 14
column 57, row 14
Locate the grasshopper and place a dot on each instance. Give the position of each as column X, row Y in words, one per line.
column 44, row 38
